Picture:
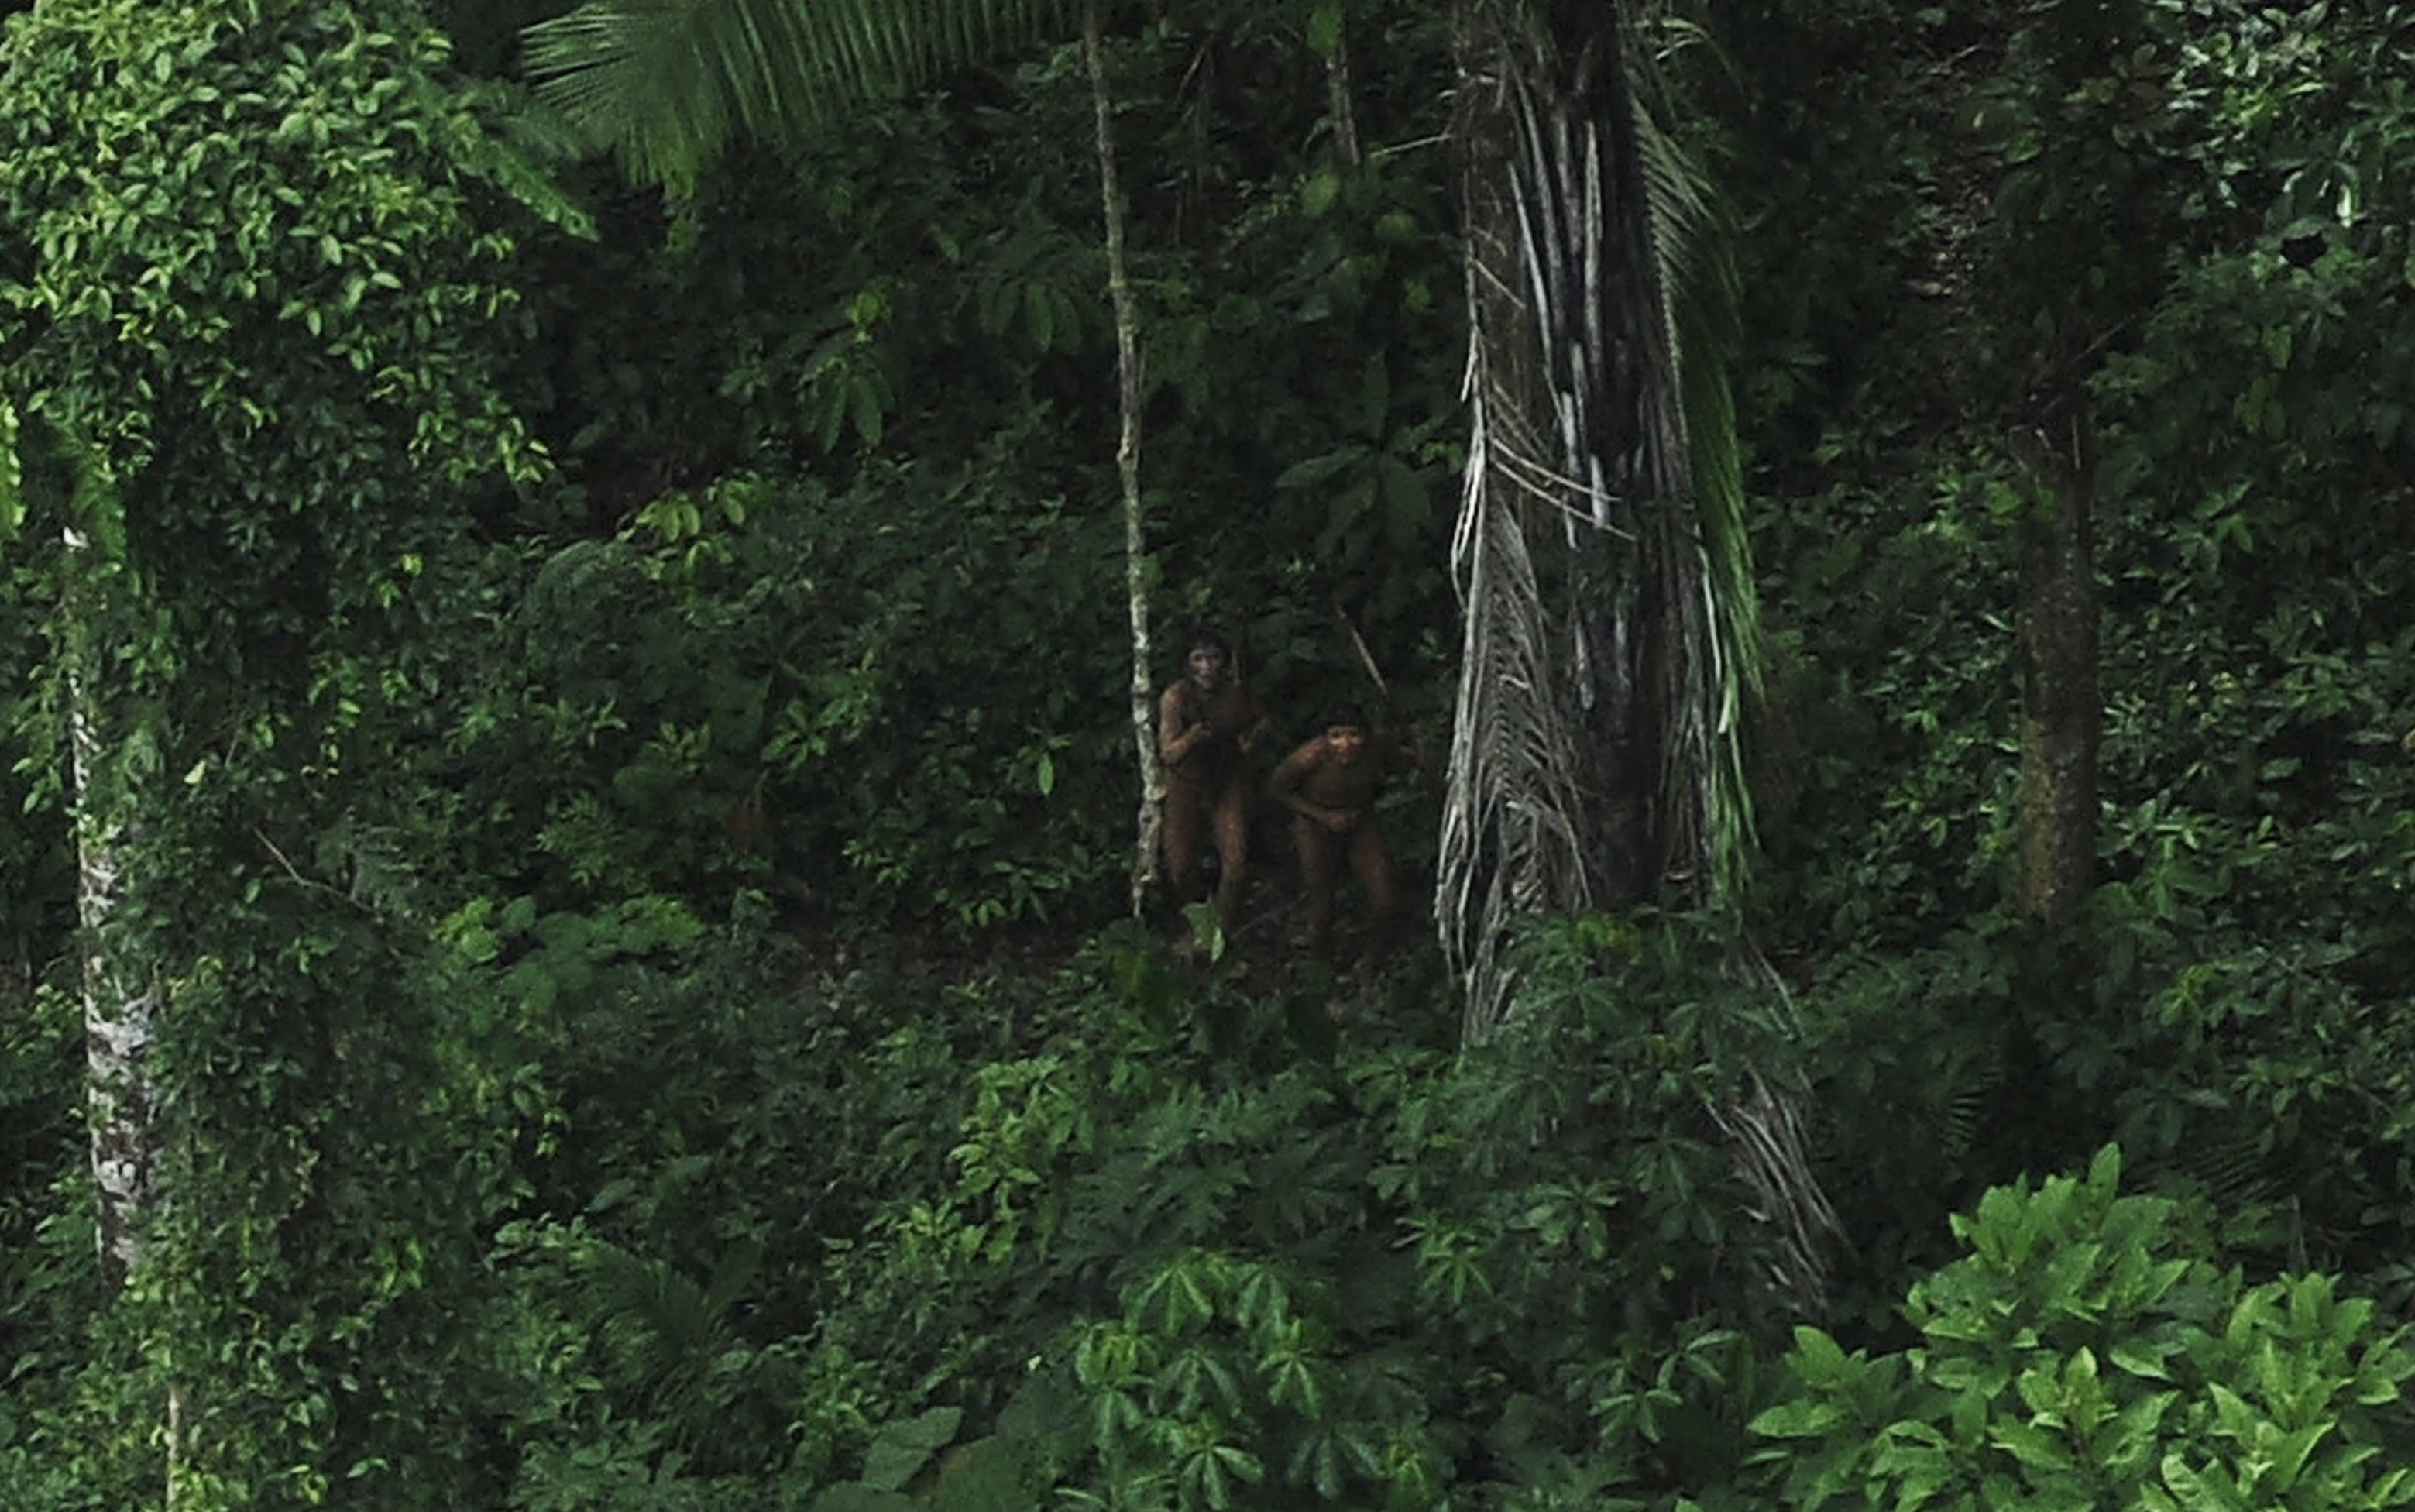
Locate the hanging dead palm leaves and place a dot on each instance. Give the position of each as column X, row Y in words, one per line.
column 1605, row 579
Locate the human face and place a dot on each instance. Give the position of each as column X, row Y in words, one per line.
column 1346, row 741
column 1207, row 664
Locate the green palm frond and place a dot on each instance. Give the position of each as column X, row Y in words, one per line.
column 669, row 84
column 1693, row 242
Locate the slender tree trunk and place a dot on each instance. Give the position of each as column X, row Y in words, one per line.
column 2062, row 712
column 120, row 1002
column 1346, row 150
column 110, row 770
column 120, row 1009
column 1136, row 565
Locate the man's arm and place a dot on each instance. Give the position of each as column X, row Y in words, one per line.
column 1176, row 737
column 1258, row 723
column 1293, row 775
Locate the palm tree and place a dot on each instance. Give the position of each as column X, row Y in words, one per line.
column 1610, row 628
column 1609, row 621
column 669, row 84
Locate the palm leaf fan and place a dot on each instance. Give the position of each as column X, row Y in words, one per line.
column 668, row 83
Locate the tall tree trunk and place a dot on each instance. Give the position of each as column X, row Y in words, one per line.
column 1136, row 566
column 2062, row 712
column 1339, row 105
column 110, row 764
column 1605, row 584
column 120, row 1008
column 1591, row 735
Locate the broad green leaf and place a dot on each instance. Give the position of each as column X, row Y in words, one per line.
column 904, row 1447
column 1808, row 1418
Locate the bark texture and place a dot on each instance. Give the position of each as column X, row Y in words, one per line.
column 120, row 1004
column 1339, row 105
column 2062, row 709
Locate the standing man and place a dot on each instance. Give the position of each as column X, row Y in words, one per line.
column 1207, row 726
column 1330, row 785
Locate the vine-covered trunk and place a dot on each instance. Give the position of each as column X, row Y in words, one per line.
column 107, row 772
column 110, row 763
column 120, row 1008
column 1137, row 574
column 2062, row 712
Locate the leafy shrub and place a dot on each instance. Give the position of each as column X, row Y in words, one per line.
column 900, row 703
column 2091, row 1352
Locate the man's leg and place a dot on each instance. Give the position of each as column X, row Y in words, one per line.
column 1372, row 866
column 1180, row 839
column 1232, row 851
column 1317, row 849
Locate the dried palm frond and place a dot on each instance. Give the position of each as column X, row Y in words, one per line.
column 1609, row 632
column 1605, row 581
column 1509, row 832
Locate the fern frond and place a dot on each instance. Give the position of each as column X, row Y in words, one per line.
column 658, row 1325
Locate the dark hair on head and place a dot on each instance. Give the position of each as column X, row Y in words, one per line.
column 1343, row 715
column 1208, row 637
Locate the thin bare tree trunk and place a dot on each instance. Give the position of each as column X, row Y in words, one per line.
column 1136, row 567
column 1346, row 150
column 2062, row 713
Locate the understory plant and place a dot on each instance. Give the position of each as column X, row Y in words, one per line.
column 2091, row 1350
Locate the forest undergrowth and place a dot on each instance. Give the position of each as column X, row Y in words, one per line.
column 621, row 754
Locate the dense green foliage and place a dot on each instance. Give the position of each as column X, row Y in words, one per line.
column 2088, row 1352
column 615, row 705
